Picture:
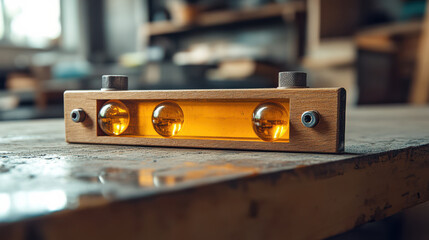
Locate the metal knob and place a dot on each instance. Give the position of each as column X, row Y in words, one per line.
column 114, row 82
column 77, row 115
column 292, row 80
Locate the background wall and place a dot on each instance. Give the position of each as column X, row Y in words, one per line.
column 369, row 47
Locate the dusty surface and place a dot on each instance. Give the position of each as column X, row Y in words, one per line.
column 40, row 173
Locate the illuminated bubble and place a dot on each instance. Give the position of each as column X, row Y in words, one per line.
column 113, row 117
column 270, row 121
column 167, row 119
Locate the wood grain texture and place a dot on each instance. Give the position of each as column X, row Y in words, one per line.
column 385, row 168
column 300, row 204
column 327, row 136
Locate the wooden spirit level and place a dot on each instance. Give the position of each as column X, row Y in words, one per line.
column 296, row 119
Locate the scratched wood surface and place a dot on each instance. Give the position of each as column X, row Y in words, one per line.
column 50, row 189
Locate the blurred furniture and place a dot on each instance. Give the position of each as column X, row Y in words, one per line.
column 227, row 17
column 54, row 190
column 200, row 33
column 330, row 49
column 330, row 27
column 386, row 61
column 420, row 86
column 43, row 74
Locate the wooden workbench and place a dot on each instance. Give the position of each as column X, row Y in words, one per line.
column 53, row 190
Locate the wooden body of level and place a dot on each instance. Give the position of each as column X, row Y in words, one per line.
column 326, row 136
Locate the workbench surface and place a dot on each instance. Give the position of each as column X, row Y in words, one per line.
column 50, row 189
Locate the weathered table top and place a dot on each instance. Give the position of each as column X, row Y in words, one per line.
column 54, row 190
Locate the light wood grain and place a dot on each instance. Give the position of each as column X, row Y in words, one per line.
column 327, row 136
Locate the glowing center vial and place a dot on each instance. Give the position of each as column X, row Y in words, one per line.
column 167, row 119
column 113, row 117
column 270, row 121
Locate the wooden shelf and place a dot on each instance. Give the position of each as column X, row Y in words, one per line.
column 382, row 38
column 226, row 17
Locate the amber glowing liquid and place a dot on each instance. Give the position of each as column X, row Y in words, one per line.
column 113, row 117
column 210, row 119
column 167, row 119
column 270, row 121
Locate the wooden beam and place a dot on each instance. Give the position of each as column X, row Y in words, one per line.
column 420, row 86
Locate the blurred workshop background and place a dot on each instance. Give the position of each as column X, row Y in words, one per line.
column 376, row 49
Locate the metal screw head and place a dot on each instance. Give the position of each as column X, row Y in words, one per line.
column 292, row 80
column 77, row 115
column 310, row 118
column 114, row 82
